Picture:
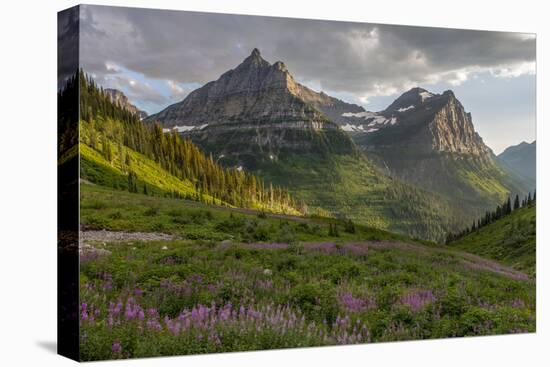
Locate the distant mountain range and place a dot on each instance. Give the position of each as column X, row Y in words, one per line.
column 121, row 100
column 521, row 159
column 342, row 158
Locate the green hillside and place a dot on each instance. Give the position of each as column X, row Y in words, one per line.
column 350, row 186
column 221, row 258
column 120, row 151
column 471, row 184
column 150, row 177
column 510, row 240
column 325, row 170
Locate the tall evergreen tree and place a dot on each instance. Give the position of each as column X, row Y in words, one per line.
column 516, row 202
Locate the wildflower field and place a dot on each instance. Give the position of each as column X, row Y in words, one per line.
column 230, row 281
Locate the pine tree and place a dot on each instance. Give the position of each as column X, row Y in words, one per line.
column 516, row 202
column 349, row 226
column 108, row 124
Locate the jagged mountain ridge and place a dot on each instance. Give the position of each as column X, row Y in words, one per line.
column 431, row 142
column 255, row 90
column 120, row 99
column 426, row 122
column 256, row 111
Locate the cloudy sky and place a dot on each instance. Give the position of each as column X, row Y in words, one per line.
column 157, row 57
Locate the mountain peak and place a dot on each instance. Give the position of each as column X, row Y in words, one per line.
column 255, row 59
column 255, row 53
column 449, row 93
column 279, row 65
column 411, row 98
column 416, row 90
column 255, row 90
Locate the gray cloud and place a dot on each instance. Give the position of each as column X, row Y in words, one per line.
column 135, row 89
column 356, row 59
column 67, row 44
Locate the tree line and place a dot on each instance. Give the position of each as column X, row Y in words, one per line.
column 491, row 216
column 112, row 128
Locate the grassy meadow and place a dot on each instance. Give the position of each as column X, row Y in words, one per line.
column 235, row 280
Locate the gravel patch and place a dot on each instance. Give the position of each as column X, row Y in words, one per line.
column 115, row 236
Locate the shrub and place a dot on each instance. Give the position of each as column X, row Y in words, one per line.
column 201, row 216
column 231, row 224
column 261, row 233
column 453, row 304
column 349, row 226
column 151, row 212
column 116, row 215
column 286, row 234
column 180, row 220
column 475, row 321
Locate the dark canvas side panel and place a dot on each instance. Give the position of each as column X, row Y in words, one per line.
column 67, row 183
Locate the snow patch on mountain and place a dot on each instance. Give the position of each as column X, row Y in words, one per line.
column 359, row 128
column 350, row 127
column 185, row 128
column 403, row 109
column 365, row 115
column 372, row 117
column 425, row 95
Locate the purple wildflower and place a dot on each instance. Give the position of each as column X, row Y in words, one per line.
column 116, row 348
column 416, row 300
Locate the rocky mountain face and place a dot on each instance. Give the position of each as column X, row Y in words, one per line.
column 429, row 140
column 121, row 100
column 253, row 112
column 255, row 91
column 521, row 159
column 425, row 123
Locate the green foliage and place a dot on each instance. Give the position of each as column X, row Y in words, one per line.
column 350, row 186
column 492, row 216
column 510, row 239
column 349, row 226
column 369, row 290
column 146, row 213
column 144, row 147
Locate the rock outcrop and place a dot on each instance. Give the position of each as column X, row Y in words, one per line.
column 121, row 100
